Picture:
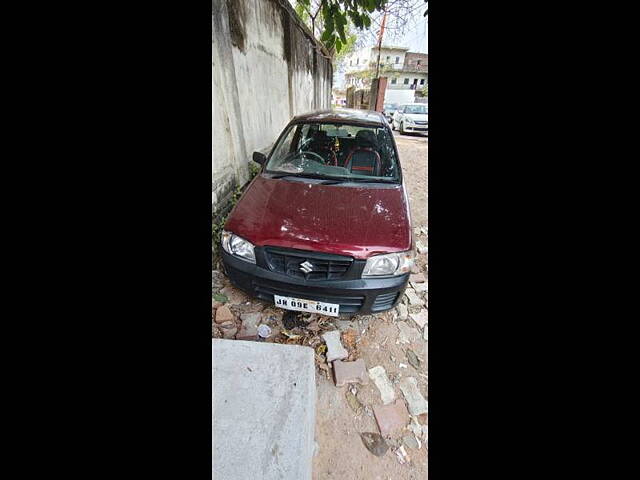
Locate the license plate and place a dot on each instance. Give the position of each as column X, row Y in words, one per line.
column 304, row 305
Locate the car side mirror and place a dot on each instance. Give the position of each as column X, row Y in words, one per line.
column 260, row 158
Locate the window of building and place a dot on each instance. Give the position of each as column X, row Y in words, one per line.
column 415, row 81
column 406, row 81
column 357, row 61
column 394, row 80
column 417, row 62
column 397, row 59
column 388, row 58
column 350, row 63
column 422, row 81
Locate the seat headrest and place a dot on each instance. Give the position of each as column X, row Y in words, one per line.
column 320, row 136
column 366, row 137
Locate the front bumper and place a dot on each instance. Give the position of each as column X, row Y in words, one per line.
column 361, row 296
column 416, row 128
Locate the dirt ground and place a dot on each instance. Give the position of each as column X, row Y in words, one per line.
column 340, row 452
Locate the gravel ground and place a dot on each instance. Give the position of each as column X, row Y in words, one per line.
column 340, row 452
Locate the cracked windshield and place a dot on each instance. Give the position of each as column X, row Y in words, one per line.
column 331, row 150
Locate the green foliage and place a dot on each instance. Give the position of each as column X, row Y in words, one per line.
column 425, row 91
column 335, row 16
column 219, row 297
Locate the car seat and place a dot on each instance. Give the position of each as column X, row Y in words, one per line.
column 364, row 159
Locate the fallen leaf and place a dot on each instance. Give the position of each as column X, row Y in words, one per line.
column 353, row 402
column 414, row 361
column 374, row 443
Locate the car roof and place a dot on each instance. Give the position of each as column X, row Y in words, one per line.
column 343, row 115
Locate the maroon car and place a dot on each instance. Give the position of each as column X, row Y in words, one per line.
column 325, row 226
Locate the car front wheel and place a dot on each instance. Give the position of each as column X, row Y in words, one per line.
column 402, row 128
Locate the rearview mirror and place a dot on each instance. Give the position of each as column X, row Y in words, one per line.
column 260, row 158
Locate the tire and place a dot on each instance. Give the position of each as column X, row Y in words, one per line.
column 402, row 128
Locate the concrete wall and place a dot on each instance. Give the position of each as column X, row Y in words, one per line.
column 267, row 68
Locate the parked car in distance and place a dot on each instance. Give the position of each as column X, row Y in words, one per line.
column 411, row 117
column 325, row 226
column 388, row 109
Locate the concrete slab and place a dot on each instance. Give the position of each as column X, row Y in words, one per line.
column 264, row 398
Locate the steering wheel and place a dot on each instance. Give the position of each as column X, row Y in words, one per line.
column 293, row 155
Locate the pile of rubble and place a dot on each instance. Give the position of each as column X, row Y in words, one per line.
column 402, row 420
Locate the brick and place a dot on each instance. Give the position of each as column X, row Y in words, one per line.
column 350, row 372
column 420, row 287
column 391, row 418
column 413, row 298
column 421, row 318
column 417, row 403
column 380, row 378
column 403, row 311
column 335, row 350
column 223, row 314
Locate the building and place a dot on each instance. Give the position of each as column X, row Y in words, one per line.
column 407, row 72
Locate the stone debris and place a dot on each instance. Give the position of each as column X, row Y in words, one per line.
column 353, row 402
column 229, row 330
column 413, row 298
column 421, row 318
column 379, row 377
column 223, row 314
column 417, row 278
column 407, row 334
column 402, row 365
column 374, row 443
column 421, row 287
column 402, row 455
column 335, row 350
column 422, row 248
column 413, row 359
column 350, row 372
column 410, row 441
column 403, row 311
column 234, row 295
column 425, row 334
column 249, row 328
column 416, row 402
column 391, row 418
column 420, row 431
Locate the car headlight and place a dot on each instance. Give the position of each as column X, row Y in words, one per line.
column 388, row 264
column 238, row 246
column 409, row 120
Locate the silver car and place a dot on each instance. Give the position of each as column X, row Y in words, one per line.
column 411, row 117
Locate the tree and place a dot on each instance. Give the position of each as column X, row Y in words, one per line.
column 334, row 17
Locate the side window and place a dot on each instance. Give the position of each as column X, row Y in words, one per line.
column 394, row 81
column 406, row 81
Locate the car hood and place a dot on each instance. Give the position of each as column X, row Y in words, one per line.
column 417, row 116
column 358, row 221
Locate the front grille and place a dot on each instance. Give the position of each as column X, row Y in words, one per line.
column 321, row 266
column 384, row 301
column 420, row 122
column 349, row 304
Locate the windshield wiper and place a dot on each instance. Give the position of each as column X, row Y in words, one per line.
column 332, row 180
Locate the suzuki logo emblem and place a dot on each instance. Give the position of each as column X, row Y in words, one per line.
column 306, row 267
